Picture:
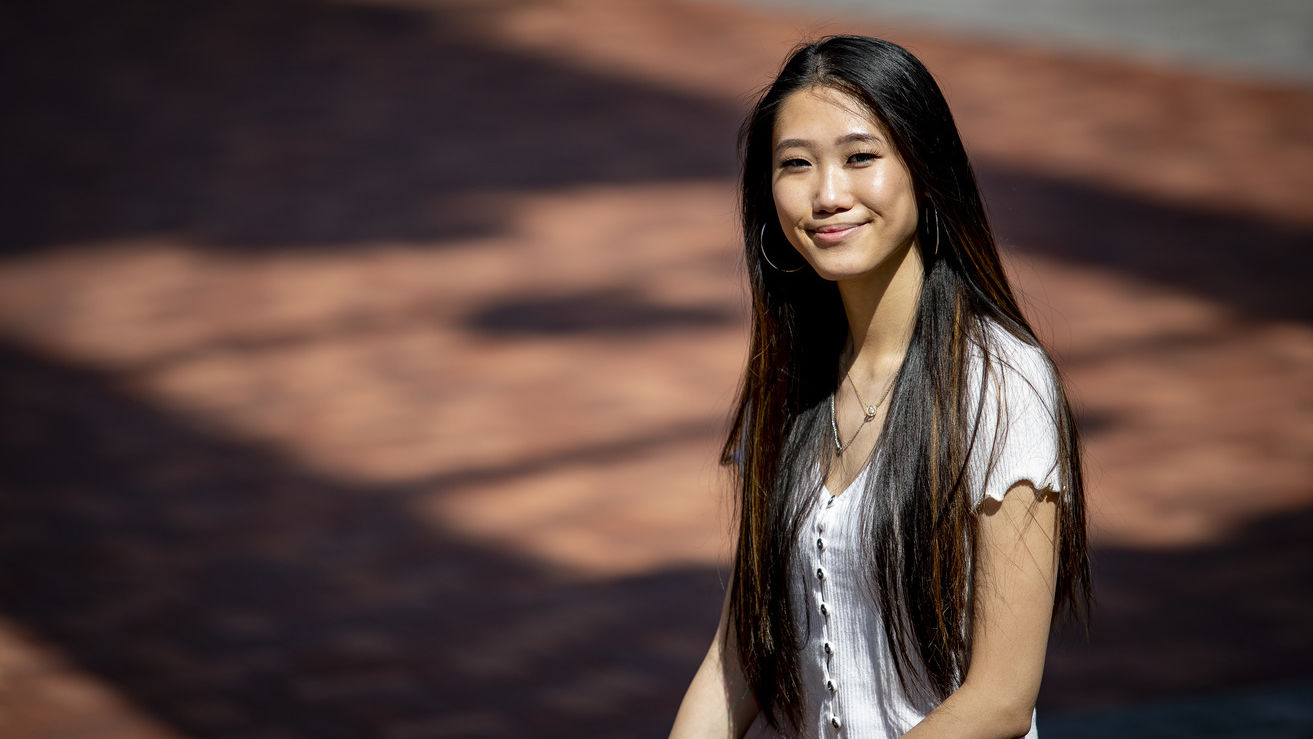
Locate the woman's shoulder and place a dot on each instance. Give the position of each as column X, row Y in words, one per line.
column 1012, row 363
column 1016, row 428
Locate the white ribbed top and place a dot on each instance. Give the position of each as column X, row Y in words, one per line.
column 851, row 687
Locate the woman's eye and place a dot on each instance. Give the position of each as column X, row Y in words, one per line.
column 793, row 163
column 862, row 158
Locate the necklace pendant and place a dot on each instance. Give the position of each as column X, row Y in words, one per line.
column 870, row 413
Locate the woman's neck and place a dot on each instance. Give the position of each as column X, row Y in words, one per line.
column 881, row 308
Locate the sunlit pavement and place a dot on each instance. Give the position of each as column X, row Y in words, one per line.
column 365, row 363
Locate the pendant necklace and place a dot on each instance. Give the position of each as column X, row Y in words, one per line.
column 870, row 413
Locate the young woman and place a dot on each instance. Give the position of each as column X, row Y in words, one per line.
column 911, row 513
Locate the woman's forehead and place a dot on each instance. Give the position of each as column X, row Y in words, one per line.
column 817, row 112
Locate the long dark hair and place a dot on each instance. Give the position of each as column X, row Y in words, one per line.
column 920, row 531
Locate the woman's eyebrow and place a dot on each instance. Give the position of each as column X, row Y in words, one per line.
column 845, row 139
column 859, row 137
column 791, row 143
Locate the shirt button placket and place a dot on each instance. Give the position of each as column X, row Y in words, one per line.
column 827, row 648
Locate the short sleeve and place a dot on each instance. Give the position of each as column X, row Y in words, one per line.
column 1017, row 437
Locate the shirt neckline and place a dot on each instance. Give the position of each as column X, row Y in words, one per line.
column 860, row 479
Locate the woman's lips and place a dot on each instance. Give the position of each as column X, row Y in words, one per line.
column 833, row 234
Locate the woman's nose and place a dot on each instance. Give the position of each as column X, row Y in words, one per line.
column 832, row 191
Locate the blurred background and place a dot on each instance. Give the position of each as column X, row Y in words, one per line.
column 363, row 363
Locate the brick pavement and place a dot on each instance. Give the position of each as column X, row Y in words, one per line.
column 364, row 364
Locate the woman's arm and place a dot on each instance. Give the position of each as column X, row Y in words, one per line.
column 1016, row 567
column 718, row 702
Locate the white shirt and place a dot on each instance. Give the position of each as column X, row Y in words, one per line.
column 851, row 688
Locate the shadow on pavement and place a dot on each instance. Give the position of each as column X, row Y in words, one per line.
column 1256, row 267
column 226, row 591
column 597, row 313
column 254, row 124
column 1189, row 620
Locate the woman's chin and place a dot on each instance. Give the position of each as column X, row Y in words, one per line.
column 840, row 270
column 854, row 264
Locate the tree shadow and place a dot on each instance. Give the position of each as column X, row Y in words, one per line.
column 1191, row 620
column 226, row 591
column 254, row 124
column 1254, row 266
column 599, row 312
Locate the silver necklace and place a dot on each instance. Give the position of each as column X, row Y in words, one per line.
column 839, row 448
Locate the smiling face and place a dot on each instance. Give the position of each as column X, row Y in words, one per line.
column 843, row 195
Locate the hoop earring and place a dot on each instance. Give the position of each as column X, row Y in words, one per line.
column 762, row 245
column 935, row 211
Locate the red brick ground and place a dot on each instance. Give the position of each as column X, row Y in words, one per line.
column 363, row 364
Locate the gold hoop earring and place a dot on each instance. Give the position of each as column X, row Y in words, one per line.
column 762, row 245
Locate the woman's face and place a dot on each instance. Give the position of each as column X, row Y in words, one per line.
column 843, row 195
